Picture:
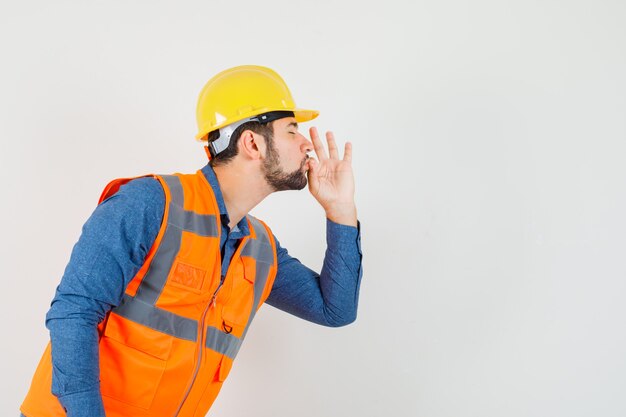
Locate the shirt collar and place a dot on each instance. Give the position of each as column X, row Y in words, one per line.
column 242, row 226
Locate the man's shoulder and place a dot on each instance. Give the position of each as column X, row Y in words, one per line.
column 144, row 184
column 143, row 191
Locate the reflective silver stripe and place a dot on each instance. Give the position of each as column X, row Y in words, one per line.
column 260, row 249
column 223, row 343
column 178, row 220
column 259, row 229
column 200, row 224
column 153, row 282
column 141, row 308
column 158, row 319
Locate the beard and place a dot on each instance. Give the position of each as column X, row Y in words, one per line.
column 280, row 180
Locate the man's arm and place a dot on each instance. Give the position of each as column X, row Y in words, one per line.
column 329, row 298
column 112, row 247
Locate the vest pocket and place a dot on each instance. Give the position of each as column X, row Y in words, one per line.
column 132, row 361
column 237, row 309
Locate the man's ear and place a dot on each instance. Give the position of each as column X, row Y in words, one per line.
column 251, row 144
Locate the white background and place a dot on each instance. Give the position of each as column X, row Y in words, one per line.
column 489, row 158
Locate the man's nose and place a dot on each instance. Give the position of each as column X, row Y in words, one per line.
column 307, row 146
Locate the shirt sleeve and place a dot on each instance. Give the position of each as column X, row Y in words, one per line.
column 331, row 297
column 111, row 249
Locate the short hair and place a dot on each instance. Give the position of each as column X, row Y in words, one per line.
column 264, row 129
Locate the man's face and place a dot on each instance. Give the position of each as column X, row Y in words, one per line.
column 285, row 163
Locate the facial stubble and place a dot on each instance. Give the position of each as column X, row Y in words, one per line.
column 277, row 178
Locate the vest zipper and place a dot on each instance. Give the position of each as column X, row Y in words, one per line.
column 200, row 347
column 212, row 303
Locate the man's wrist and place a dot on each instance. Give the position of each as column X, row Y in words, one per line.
column 342, row 214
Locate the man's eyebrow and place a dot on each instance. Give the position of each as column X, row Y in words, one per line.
column 293, row 124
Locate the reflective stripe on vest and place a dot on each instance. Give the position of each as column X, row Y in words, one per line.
column 141, row 308
column 261, row 250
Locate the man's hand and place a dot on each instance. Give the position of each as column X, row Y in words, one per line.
column 331, row 181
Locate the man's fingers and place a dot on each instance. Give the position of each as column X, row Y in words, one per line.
column 347, row 153
column 332, row 145
column 312, row 174
column 317, row 144
column 311, row 165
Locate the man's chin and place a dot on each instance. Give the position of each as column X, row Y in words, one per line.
column 288, row 183
column 300, row 184
column 303, row 185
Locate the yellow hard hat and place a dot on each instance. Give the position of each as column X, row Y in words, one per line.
column 243, row 92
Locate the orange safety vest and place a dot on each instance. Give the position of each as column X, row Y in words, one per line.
column 170, row 344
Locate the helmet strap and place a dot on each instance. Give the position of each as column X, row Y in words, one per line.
column 208, row 152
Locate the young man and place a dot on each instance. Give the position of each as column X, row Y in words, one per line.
column 170, row 270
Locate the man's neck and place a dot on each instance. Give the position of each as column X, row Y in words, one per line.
column 242, row 188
